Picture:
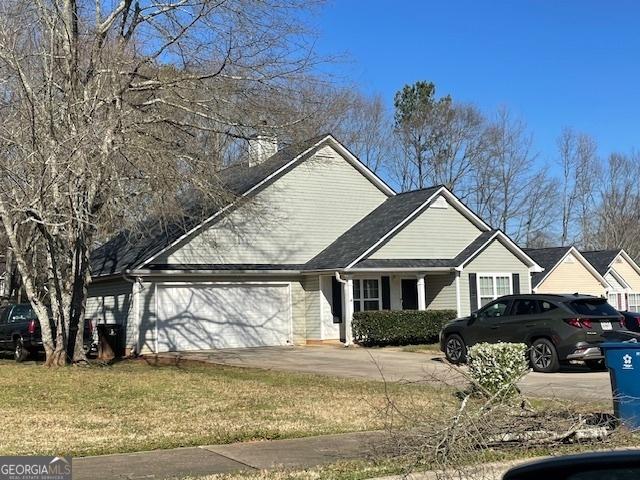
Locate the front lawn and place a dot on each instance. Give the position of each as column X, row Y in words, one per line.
column 132, row 406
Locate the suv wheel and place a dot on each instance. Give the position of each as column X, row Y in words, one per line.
column 455, row 350
column 543, row 356
column 20, row 353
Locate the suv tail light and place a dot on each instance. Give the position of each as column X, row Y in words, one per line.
column 31, row 327
column 579, row 322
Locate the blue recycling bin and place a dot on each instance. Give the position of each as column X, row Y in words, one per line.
column 623, row 361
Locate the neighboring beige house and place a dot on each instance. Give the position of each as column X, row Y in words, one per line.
column 566, row 271
column 312, row 236
column 622, row 275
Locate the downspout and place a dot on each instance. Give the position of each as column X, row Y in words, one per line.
column 136, row 288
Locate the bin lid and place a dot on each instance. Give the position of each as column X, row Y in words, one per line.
column 620, row 345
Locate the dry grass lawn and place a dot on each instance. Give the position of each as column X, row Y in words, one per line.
column 132, row 406
column 430, row 348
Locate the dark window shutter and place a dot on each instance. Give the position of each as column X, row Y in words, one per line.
column 386, row 294
column 336, row 300
column 515, row 278
column 473, row 292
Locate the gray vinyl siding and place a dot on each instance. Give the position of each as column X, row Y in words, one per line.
column 148, row 317
column 148, row 313
column 311, row 285
column 495, row 258
column 291, row 220
column 436, row 233
column 441, row 292
column 298, row 312
column 110, row 302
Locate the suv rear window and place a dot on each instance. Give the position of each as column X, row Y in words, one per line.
column 596, row 306
column 22, row 313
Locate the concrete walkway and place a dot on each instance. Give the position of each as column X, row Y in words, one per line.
column 206, row 460
column 391, row 364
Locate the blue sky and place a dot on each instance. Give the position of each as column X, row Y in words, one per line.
column 553, row 63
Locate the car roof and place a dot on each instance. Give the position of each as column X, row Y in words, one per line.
column 551, row 296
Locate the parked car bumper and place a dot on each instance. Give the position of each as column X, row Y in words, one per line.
column 586, row 351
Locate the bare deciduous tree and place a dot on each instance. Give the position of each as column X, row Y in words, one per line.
column 617, row 216
column 577, row 153
column 508, row 184
column 100, row 104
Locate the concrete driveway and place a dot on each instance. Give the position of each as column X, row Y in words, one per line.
column 573, row 383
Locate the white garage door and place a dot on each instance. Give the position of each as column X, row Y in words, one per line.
column 197, row 317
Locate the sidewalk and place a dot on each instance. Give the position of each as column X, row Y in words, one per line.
column 206, row 460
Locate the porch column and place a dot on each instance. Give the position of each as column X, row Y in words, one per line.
column 347, row 289
column 134, row 343
column 458, row 299
column 422, row 298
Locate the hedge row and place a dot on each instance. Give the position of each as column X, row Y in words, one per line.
column 401, row 327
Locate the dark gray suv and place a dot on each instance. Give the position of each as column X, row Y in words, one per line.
column 557, row 328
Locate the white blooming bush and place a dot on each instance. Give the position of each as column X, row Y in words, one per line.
column 497, row 366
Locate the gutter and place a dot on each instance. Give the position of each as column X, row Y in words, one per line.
column 151, row 273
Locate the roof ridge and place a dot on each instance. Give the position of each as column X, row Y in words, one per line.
column 423, row 189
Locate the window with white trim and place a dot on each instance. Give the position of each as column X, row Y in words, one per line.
column 613, row 300
column 491, row 287
column 366, row 294
column 633, row 302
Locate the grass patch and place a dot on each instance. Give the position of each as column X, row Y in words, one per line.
column 431, row 348
column 132, row 406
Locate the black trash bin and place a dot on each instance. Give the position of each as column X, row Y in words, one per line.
column 109, row 341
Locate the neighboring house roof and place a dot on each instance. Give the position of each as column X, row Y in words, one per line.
column 547, row 258
column 125, row 251
column 601, row 259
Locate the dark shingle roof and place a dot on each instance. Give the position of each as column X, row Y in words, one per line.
column 404, row 263
column 473, row 246
column 601, row 259
column 547, row 258
column 431, row 262
column 364, row 234
column 126, row 250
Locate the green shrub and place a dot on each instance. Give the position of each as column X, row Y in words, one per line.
column 401, row 327
column 497, row 366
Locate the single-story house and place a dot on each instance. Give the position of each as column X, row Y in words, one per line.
column 566, row 271
column 310, row 237
column 622, row 274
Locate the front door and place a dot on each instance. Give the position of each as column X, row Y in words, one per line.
column 409, row 294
